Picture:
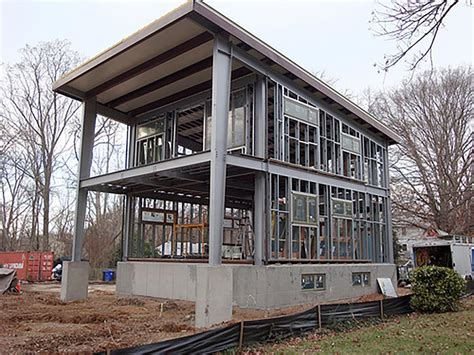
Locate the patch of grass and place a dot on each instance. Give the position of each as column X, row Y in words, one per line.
column 445, row 333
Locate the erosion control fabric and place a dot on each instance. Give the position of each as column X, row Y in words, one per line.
column 262, row 330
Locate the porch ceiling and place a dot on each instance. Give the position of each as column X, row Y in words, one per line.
column 190, row 183
column 171, row 59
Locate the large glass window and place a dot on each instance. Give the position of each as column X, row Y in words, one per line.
column 236, row 121
column 150, row 142
column 305, row 208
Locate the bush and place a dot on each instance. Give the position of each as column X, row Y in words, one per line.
column 436, row 289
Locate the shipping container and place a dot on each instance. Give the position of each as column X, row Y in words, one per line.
column 29, row 265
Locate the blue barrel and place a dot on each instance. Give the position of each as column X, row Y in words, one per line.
column 108, row 275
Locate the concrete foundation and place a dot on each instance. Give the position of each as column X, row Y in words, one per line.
column 213, row 295
column 75, row 280
column 269, row 287
column 248, row 286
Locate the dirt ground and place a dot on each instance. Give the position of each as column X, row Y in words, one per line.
column 37, row 320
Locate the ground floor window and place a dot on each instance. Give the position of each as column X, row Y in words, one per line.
column 361, row 279
column 313, row 281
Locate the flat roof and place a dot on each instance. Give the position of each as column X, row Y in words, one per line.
column 171, row 58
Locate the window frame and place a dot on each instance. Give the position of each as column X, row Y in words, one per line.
column 362, row 279
column 314, row 275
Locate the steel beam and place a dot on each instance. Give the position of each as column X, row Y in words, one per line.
column 167, row 80
column 152, row 63
column 85, row 162
column 221, row 78
column 150, row 169
column 302, row 173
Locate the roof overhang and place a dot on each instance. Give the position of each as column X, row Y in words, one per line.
column 171, row 59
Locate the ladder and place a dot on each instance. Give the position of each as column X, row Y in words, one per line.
column 245, row 237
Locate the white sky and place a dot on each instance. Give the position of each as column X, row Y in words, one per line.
column 330, row 36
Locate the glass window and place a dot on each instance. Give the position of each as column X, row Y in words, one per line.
column 151, row 128
column 300, row 110
column 299, row 208
column 342, row 207
column 236, row 121
column 313, row 281
column 305, row 208
column 361, row 279
column 351, row 143
column 312, row 209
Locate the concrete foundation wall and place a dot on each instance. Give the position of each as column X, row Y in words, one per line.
column 259, row 287
column 163, row 280
column 277, row 286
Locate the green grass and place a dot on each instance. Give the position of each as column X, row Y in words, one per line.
column 446, row 333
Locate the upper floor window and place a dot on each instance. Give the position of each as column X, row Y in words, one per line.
column 150, row 142
column 236, row 121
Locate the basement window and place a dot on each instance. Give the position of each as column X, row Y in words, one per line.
column 361, row 279
column 313, row 281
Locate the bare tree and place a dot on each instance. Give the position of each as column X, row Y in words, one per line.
column 36, row 118
column 414, row 25
column 432, row 169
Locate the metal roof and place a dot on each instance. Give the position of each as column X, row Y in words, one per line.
column 171, row 58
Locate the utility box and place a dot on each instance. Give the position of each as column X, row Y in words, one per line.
column 29, row 265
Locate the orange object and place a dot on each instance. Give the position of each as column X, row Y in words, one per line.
column 29, row 266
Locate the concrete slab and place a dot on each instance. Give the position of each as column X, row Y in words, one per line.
column 75, row 280
column 213, row 295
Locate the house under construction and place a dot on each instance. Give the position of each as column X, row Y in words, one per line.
column 248, row 181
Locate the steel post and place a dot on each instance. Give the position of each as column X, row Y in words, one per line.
column 85, row 162
column 221, row 68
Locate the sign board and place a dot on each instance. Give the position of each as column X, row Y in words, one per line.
column 386, row 286
column 151, row 216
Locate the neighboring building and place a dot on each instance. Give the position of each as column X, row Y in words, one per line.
column 236, row 156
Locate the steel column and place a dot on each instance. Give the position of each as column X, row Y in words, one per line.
column 388, row 210
column 260, row 179
column 221, row 69
column 85, row 162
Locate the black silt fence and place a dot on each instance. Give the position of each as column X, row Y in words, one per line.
column 268, row 329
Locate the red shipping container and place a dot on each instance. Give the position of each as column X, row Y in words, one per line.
column 29, row 266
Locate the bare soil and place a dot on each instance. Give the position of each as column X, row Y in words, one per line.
column 38, row 321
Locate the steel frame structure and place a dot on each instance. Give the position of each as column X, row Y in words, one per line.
column 237, row 58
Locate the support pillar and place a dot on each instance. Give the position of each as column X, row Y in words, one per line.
column 214, row 293
column 221, row 69
column 388, row 211
column 75, row 274
column 260, row 178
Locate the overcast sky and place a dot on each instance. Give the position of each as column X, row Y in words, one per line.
column 330, row 36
